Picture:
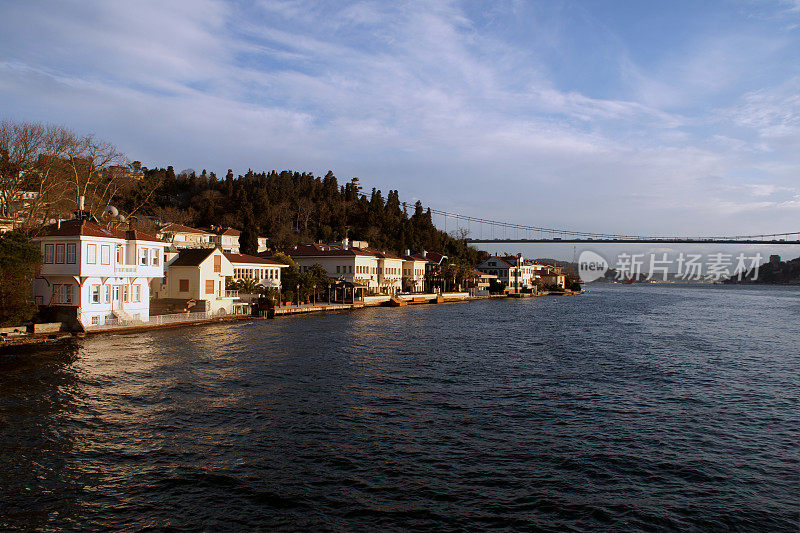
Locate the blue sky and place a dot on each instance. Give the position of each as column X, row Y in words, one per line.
column 634, row 117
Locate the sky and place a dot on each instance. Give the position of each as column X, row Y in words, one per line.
column 666, row 118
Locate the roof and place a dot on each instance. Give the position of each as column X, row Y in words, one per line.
column 498, row 258
column 192, row 257
column 180, row 228
column 327, row 250
column 87, row 228
column 216, row 230
column 251, row 259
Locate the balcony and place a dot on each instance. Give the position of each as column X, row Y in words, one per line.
column 227, row 294
column 125, row 269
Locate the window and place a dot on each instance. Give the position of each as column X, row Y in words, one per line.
column 155, row 256
column 95, row 294
column 217, row 263
column 338, row 269
column 126, row 293
column 59, row 254
column 67, row 294
column 105, row 254
column 48, row 253
column 120, row 256
column 137, row 293
column 91, row 254
column 183, row 285
column 210, row 286
column 108, row 294
column 143, row 256
column 95, row 320
column 56, row 293
column 71, row 253
column 351, row 269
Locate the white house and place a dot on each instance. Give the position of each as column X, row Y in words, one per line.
column 227, row 239
column 413, row 272
column 181, row 236
column 355, row 265
column 95, row 272
column 265, row 271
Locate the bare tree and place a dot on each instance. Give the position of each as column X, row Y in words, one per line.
column 45, row 169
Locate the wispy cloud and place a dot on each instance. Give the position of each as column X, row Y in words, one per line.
column 436, row 98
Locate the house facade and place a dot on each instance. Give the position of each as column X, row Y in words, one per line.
column 99, row 273
column 266, row 272
column 510, row 270
column 226, row 239
column 185, row 237
column 342, row 262
column 199, row 275
column 413, row 272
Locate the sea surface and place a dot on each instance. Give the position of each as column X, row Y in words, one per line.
column 649, row 408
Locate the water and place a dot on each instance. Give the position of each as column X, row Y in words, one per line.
column 629, row 408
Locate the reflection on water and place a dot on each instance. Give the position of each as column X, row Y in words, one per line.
column 630, row 407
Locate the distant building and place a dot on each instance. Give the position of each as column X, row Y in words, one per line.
column 181, row 236
column 509, row 271
column 96, row 274
column 227, row 239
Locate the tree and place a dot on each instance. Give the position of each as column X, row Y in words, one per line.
column 19, row 261
column 46, row 169
column 248, row 240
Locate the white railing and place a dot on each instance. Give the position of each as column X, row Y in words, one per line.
column 227, row 294
column 155, row 320
column 126, row 269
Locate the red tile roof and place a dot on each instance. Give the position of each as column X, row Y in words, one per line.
column 87, row 228
column 251, row 259
column 180, row 228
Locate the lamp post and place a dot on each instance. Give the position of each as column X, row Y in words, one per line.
column 315, row 293
column 298, row 295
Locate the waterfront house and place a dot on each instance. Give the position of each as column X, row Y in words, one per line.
column 94, row 274
column 196, row 279
column 414, row 272
column 552, row 275
column 181, row 236
column 390, row 272
column 482, row 280
column 433, row 263
column 513, row 271
column 264, row 271
column 344, row 262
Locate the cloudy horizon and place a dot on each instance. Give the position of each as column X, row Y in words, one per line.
column 678, row 118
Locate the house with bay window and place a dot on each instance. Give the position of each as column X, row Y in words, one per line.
column 94, row 274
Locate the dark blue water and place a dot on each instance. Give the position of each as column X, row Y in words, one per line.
column 629, row 408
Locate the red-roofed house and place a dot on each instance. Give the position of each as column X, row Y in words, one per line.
column 99, row 273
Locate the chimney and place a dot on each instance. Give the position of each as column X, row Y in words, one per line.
column 346, row 244
column 407, row 252
column 80, row 203
column 424, row 254
column 58, row 224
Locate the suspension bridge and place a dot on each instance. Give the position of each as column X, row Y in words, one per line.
column 483, row 231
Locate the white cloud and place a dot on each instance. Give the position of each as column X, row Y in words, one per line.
column 409, row 95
